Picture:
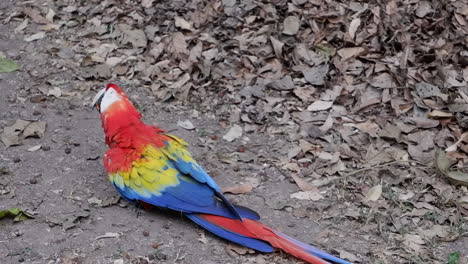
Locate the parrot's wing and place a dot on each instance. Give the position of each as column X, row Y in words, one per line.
column 169, row 177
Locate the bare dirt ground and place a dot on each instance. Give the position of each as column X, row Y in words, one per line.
column 324, row 117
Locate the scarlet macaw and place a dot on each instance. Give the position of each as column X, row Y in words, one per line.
column 149, row 167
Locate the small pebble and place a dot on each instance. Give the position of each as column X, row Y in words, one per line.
column 45, row 148
column 145, row 233
column 16, row 160
column 241, row 149
column 36, row 112
column 214, row 137
column 33, row 181
column 21, row 259
column 67, row 150
column 155, row 245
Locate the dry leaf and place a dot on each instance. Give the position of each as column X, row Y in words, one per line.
column 414, row 242
column 353, row 26
column 147, row 3
column 291, row 25
column 373, row 194
column 35, row 129
column 303, row 185
column 319, row 106
column 35, row 148
column 108, row 235
column 238, row 189
column 440, row 114
column 186, row 124
column 37, row 36
column 347, row 53
column 277, row 47
column 182, row 23
column 10, row 135
column 307, row 195
column 443, row 164
column 203, row 238
column 234, row 133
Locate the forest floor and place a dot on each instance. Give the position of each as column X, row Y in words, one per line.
column 326, row 117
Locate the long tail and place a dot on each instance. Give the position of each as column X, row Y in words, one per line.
column 253, row 234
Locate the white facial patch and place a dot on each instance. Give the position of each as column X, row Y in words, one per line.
column 110, row 97
column 97, row 96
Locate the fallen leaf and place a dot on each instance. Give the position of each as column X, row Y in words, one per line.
column 147, row 3
column 373, row 194
column 319, row 106
column 383, row 80
column 277, row 46
column 35, row 129
column 37, row 36
column 453, row 257
column 136, row 37
column 293, row 152
column 16, row 213
column 238, row 189
column 203, row 238
column 56, row 91
column 108, row 235
column 302, row 184
column 347, row 53
column 353, row 27
column 424, row 8
column 440, row 114
column 7, row 65
column 10, row 135
column 182, row 23
column 443, row 164
column 349, row 256
column 186, row 124
column 234, row 133
column 307, row 195
column 22, row 26
column 414, row 242
column 291, row 25
column 316, row 75
column 35, row 148
column 94, row 201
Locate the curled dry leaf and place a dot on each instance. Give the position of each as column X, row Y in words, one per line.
column 443, row 164
column 238, row 189
column 186, row 124
column 37, row 36
column 353, row 27
column 108, row 235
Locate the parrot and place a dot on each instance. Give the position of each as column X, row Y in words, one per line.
column 149, row 167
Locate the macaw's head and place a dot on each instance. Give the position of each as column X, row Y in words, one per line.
column 116, row 109
column 111, row 99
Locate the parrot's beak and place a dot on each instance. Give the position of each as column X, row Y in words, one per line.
column 98, row 98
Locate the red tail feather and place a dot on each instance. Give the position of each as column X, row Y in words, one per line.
column 257, row 230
